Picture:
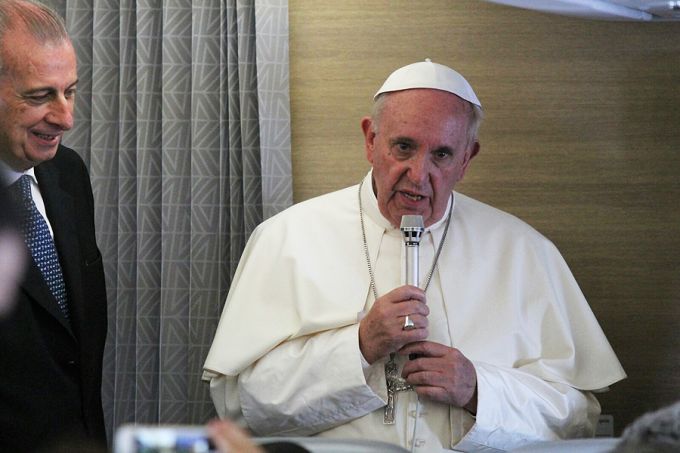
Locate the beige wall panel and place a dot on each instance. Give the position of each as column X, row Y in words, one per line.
column 581, row 140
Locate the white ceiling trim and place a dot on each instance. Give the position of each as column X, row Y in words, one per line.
column 636, row 10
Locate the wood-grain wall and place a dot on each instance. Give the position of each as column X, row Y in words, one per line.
column 581, row 140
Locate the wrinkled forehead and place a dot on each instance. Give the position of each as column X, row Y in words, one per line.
column 426, row 116
column 34, row 64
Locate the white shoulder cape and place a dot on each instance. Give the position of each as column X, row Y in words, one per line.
column 513, row 299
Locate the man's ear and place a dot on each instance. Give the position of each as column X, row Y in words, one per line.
column 369, row 137
column 475, row 149
column 470, row 155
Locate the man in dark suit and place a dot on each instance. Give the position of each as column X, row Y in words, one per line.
column 52, row 339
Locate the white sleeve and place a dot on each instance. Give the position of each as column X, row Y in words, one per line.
column 303, row 386
column 515, row 408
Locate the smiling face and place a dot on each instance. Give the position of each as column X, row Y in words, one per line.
column 37, row 95
column 419, row 150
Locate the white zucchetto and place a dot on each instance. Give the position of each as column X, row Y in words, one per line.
column 426, row 74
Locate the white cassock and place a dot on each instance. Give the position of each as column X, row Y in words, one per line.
column 286, row 359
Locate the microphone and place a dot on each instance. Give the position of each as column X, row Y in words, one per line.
column 412, row 228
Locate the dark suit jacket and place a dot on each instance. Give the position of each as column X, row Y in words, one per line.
column 50, row 368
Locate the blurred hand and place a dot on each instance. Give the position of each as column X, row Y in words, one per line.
column 12, row 260
column 381, row 332
column 442, row 374
column 228, row 437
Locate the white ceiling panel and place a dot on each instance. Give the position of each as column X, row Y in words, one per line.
column 638, row 10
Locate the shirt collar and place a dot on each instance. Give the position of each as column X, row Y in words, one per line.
column 9, row 176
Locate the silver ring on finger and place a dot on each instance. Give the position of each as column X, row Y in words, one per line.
column 408, row 323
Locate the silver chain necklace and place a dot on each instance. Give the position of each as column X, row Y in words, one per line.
column 368, row 257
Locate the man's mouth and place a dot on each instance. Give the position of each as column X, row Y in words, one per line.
column 412, row 196
column 45, row 137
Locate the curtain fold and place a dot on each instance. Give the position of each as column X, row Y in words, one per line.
column 183, row 118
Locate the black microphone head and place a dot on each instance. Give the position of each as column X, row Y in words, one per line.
column 412, row 228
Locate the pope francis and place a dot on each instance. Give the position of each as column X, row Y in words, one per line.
column 494, row 348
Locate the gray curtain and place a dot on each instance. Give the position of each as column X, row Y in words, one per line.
column 183, row 118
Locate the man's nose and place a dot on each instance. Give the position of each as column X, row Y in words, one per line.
column 61, row 113
column 418, row 168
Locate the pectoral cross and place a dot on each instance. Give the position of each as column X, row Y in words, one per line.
column 395, row 384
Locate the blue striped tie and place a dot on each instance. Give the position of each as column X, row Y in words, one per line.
column 40, row 242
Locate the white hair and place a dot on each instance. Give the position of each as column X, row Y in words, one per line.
column 653, row 432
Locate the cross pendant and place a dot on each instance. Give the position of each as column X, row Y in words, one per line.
column 395, row 384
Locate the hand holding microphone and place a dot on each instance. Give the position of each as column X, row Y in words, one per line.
column 381, row 331
column 459, row 387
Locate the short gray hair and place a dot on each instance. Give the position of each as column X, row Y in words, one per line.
column 475, row 119
column 653, row 432
column 39, row 20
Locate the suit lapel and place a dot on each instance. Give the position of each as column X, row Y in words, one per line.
column 61, row 214
column 34, row 285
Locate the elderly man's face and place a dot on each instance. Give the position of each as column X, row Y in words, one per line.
column 37, row 95
column 419, row 152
